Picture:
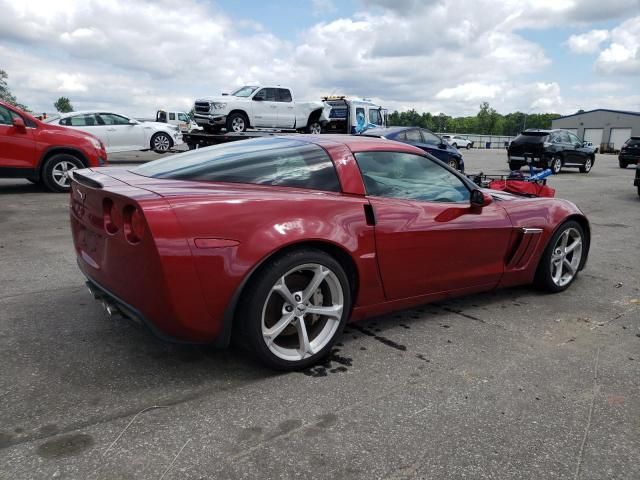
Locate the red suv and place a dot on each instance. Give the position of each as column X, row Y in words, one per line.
column 44, row 153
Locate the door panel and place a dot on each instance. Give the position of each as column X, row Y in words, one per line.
column 122, row 136
column 427, row 248
column 17, row 146
column 286, row 109
column 265, row 112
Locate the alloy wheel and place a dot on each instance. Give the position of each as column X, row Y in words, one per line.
column 237, row 124
column 566, row 257
column 61, row 171
column 161, row 143
column 556, row 165
column 453, row 164
column 587, row 165
column 315, row 128
column 302, row 312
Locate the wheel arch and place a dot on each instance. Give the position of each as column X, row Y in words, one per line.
column 241, row 112
column 314, row 116
column 155, row 134
column 336, row 251
column 50, row 152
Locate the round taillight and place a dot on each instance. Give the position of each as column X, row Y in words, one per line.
column 134, row 226
column 111, row 216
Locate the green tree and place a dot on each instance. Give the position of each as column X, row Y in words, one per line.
column 5, row 93
column 63, row 105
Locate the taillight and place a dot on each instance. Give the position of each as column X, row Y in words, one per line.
column 134, row 226
column 111, row 216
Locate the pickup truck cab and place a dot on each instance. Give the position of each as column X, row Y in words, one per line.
column 180, row 119
column 344, row 114
column 255, row 106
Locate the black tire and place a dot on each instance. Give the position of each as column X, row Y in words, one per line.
column 556, row 165
column 211, row 129
column 468, row 147
column 453, row 163
column 258, row 297
column 53, row 176
column 314, row 128
column 237, row 122
column 622, row 163
column 543, row 279
column 514, row 167
column 588, row 165
column 161, row 142
column 639, row 190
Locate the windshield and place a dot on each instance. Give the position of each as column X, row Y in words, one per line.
column 244, row 91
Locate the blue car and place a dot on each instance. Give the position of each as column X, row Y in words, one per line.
column 421, row 138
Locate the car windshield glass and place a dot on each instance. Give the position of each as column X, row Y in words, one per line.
column 531, row 137
column 263, row 161
column 244, row 91
column 633, row 142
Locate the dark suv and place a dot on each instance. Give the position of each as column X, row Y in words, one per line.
column 630, row 152
column 552, row 149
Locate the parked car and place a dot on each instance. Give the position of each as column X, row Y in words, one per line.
column 458, row 142
column 279, row 241
column 554, row 149
column 630, row 152
column 44, row 153
column 424, row 139
column 121, row 133
column 254, row 106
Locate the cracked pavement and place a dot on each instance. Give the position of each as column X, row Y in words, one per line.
column 509, row 384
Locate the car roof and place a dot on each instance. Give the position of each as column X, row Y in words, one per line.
column 86, row 112
column 358, row 143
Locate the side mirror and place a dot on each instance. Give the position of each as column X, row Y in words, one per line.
column 480, row 199
column 18, row 122
column 258, row 99
column 133, row 122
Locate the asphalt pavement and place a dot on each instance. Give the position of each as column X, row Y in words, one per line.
column 509, row 384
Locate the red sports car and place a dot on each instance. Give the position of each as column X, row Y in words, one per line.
column 279, row 241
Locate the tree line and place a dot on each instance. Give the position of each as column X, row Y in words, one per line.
column 486, row 122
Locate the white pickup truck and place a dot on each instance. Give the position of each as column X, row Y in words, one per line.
column 254, row 106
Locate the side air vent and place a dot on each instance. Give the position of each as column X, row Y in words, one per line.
column 86, row 181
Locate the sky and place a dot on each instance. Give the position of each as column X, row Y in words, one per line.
column 135, row 56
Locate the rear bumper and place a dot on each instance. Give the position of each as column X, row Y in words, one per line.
column 629, row 158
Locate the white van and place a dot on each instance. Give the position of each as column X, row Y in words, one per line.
column 180, row 119
column 344, row 114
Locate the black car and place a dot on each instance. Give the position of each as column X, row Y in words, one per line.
column 554, row 149
column 423, row 139
column 630, row 152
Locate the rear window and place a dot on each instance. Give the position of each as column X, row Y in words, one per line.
column 632, row 142
column 532, row 137
column 264, row 161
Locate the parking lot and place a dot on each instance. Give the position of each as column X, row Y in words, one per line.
column 512, row 384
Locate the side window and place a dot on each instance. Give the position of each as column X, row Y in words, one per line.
column 284, row 95
column 574, row 139
column 359, row 111
column 564, row 137
column 375, row 117
column 6, row 116
column 271, row 94
column 87, row 120
column 183, row 117
column 414, row 136
column 430, row 138
column 113, row 119
column 172, row 116
column 410, row 177
column 262, row 94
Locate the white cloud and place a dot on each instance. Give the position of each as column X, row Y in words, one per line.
column 587, row 42
column 623, row 54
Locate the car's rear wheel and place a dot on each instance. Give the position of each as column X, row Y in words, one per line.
column 556, row 165
column 468, row 146
column 588, row 164
column 237, row 122
column 562, row 258
column 314, row 128
column 56, row 172
column 295, row 309
column 161, row 142
column 622, row 163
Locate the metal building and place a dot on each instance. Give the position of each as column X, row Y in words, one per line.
column 607, row 128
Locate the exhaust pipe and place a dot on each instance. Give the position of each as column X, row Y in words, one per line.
column 111, row 308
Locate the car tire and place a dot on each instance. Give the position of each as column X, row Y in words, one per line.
column 272, row 322
column 453, row 163
column 161, row 142
column 588, row 165
column 55, row 170
column 237, row 123
column 514, row 167
column 622, row 163
column 314, row 128
column 556, row 165
column 639, row 190
column 558, row 267
column 468, row 147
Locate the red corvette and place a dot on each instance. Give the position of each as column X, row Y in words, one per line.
column 279, row 241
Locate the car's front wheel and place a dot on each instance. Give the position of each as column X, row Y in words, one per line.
column 56, row 172
column 295, row 309
column 453, row 163
column 468, row 146
column 161, row 142
column 237, row 122
column 588, row 164
column 562, row 258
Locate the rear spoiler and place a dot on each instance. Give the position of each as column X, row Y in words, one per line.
column 89, row 182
